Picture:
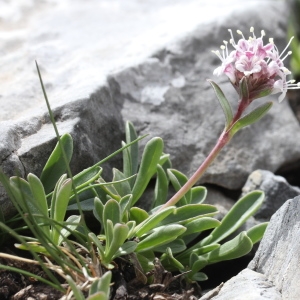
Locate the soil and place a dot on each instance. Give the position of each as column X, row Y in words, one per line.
column 126, row 285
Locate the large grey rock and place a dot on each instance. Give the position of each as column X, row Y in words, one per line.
column 247, row 285
column 94, row 123
column 278, row 254
column 277, row 191
column 274, row 271
column 168, row 96
column 77, row 43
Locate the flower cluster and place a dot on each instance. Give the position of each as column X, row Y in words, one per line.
column 261, row 65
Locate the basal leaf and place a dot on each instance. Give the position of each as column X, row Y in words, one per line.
column 188, row 212
column 198, row 194
column 55, row 165
column 150, row 158
column 256, row 232
column 161, row 187
column 138, row 214
column 120, row 232
column 243, row 209
column 201, row 224
column 176, row 246
column 160, row 236
column 123, row 187
column 178, row 180
column 171, row 262
column 152, row 221
column 112, row 211
column 126, row 249
column 237, row 247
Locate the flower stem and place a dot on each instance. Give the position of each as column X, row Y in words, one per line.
column 222, row 141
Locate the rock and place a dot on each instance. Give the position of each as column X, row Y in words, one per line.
column 273, row 273
column 247, row 285
column 278, row 254
column 96, row 128
column 277, row 191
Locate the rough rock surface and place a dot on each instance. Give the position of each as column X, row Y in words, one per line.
column 278, row 254
column 277, row 191
column 95, row 125
column 247, row 285
column 273, row 273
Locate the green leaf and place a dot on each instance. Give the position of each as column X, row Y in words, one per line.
column 72, row 224
column 59, row 207
column 256, row 232
column 160, row 236
column 123, row 187
column 199, row 276
column 243, row 87
column 102, row 285
column 196, row 263
column 176, row 246
column 237, row 247
column 131, row 226
column 250, row 118
column 223, row 102
column 112, row 212
column 120, row 232
column 131, row 154
column 98, row 296
column 87, row 176
column 138, row 215
column 60, row 203
column 169, row 260
column 125, row 204
column 188, row 212
column 178, row 180
column 243, row 209
column 98, row 210
column 126, row 249
column 152, row 221
column 86, row 205
column 57, row 187
column 22, row 192
column 206, row 249
column 198, row 194
column 145, row 262
column 150, row 158
column 38, row 193
column 200, row 225
column 55, row 165
column 98, row 244
column 161, row 187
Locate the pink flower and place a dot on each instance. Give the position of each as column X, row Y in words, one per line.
column 260, row 64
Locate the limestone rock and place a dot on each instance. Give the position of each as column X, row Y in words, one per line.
column 247, row 285
column 273, row 273
column 96, row 128
column 277, row 191
column 278, row 254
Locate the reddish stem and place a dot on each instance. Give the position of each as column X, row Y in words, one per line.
column 222, row 141
column 224, row 138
